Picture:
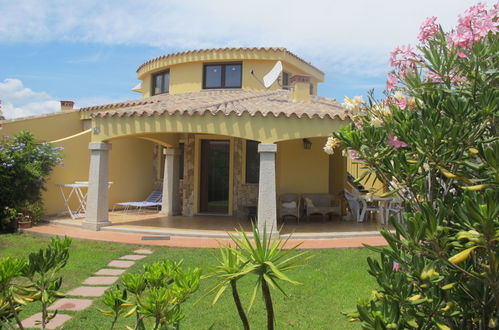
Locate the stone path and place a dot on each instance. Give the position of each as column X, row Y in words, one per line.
column 92, row 287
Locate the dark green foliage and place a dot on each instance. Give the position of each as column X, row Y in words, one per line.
column 24, row 165
column 441, row 267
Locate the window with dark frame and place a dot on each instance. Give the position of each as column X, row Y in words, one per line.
column 224, row 75
column 161, row 83
column 311, row 89
column 285, row 80
column 252, row 162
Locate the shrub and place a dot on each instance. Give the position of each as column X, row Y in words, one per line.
column 433, row 142
column 24, row 165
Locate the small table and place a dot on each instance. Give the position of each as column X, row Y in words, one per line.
column 81, row 197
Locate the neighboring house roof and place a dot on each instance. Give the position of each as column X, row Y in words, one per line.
column 227, row 102
column 211, row 50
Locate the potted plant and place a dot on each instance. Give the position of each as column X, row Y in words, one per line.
column 23, row 221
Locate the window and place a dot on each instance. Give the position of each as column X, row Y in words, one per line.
column 252, row 162
column 285, row 80
column 311, row 89
column 222, row 75
column 161, row 83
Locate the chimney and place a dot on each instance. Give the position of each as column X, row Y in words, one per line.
column 67, row 105
column 300, row 91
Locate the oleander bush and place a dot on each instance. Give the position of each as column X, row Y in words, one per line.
column 432, row 140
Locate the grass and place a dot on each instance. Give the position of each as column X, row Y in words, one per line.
column 332, row 282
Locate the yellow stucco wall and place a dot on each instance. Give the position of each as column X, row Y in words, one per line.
column 267, row 129
column 47, row 127
column 337, row 173
column 188, row 77
column 302, row 171
column 131, row 170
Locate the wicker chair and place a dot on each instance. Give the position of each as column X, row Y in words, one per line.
column 289, row 205
column 323, row 204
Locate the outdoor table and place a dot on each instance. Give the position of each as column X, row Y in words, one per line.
column 75, row 191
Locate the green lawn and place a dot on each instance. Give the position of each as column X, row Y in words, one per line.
column 332, row 282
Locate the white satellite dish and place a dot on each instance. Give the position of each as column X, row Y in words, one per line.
column 273, row 74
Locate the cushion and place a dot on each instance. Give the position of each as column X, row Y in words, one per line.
column 309, row 202
column 289, row 205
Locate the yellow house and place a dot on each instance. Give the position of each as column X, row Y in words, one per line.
column 207, row 131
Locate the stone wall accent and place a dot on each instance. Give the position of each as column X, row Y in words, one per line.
column 244, row 194
column 187, row 184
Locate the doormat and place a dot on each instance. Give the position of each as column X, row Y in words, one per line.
column 155, row 238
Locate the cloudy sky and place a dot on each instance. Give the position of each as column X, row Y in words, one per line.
column 88, row 50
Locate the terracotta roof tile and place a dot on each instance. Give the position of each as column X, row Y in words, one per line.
column 228, row 102
column 275, row 49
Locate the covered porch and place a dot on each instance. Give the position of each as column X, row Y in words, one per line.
column 154, row 223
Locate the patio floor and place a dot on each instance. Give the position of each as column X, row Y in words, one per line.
column 211, row 226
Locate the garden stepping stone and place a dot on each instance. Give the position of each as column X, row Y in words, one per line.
column 110, row 272
column 143, row 251
column 133, row 257
column 88, row 291
column 56, row 322
column 120, row 263
column 71, row 304
column 100, row 280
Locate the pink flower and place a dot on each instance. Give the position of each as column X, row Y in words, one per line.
column 394, row 142
column 473, row 25
column 353, row 154
column 433, row 76
column 428, row 29
column 403, row 103
column 358, row 123
column 392, row 81
column 396, row 266
column 404, row 59
column 460, row 54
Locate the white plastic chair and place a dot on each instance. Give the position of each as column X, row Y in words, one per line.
column 375, row 204
column 354, row 203
column 394, row 206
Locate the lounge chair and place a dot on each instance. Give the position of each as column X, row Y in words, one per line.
column 289, row 205
column 153, row 200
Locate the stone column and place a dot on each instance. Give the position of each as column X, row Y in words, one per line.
column 171, row 183
column 267, row 212
column 98, row 191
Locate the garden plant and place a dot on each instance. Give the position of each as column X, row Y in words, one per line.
column 432, row 141
column 262, row 256
column 23, row 281
column 24, row 165
column 157, row 293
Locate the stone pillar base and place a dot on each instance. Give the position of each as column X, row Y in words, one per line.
column 96, row 226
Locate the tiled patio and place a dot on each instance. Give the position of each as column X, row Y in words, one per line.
column 148, row 221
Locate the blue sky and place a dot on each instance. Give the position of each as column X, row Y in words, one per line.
column 88, row 51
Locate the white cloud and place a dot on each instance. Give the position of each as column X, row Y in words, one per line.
column 346, row 36
column 19, row 101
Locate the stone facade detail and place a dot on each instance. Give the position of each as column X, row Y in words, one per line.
column 187, row 184
column 244, row 194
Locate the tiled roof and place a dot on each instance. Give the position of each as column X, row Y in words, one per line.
column 228, row 102
column 249, row 49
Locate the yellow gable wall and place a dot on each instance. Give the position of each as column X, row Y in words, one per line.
column 48, row 127
column 188, row 77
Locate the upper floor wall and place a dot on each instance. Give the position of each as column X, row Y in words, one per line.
column 185, row 72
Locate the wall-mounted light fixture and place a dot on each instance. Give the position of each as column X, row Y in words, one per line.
column 307, row 144
column 96, row 130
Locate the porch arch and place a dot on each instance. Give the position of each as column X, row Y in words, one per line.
column 266, row 129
